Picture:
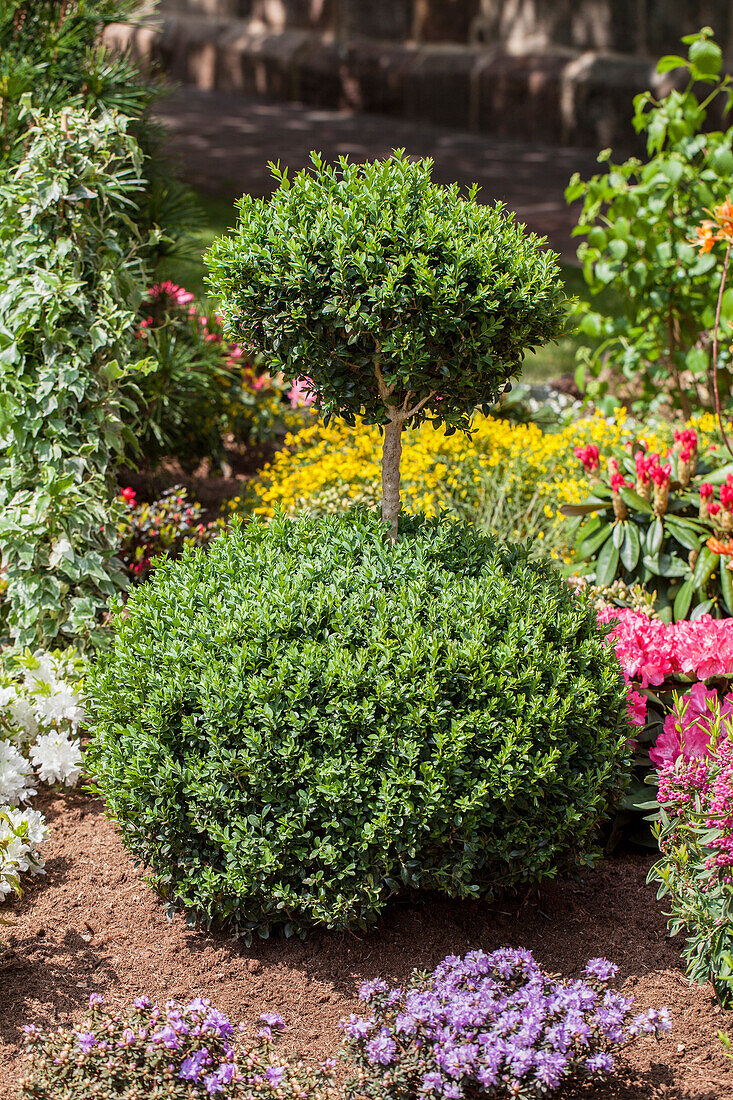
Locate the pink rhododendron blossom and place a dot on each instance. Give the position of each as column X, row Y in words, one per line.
column 687, row 728
column 651, row 651
column 636, row 707
column 687, row 439
column 660, row 475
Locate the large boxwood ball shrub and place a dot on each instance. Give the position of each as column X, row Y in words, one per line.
column 302, row 720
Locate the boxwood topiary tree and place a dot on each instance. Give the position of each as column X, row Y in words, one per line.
column 399, row 299
column 297, row 724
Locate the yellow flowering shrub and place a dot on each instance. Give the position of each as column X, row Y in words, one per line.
column 505, row 477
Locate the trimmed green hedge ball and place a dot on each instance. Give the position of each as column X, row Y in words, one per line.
column 303, row 720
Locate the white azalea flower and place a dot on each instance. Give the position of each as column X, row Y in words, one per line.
column 7, row 695
column 61, row 705
column 43, row 673
column 20, row 836
column 23, row 717
column 57, row 758
column 15, row 776
column 38, row 830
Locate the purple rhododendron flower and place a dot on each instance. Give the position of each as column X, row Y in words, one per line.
column 432, row 1082
column 550, row 1067
column 602, row 969
column 168, row 1037
column 142, row 1002
column 85, row 1040
column 95, row 999
column 367, row 990
column 489, row 1022
column 654, row 1022
column 218, row 1023
column 272, row 1019
column 275, row 1075
column 357, row 1028
column 381, row 1049
column 602, row 1062
column 192, row 1065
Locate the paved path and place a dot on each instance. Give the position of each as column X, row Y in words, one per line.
column 224, row 142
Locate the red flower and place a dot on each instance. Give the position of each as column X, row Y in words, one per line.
column 128, row 495
column 589, row 456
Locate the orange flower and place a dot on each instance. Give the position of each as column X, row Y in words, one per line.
column 724, row 216
column 705, row 236
column 719, row 547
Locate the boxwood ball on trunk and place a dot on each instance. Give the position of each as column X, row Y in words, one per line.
column 305, row 719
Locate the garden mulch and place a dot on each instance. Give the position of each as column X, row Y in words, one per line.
column 92, row 924
column 223, row 143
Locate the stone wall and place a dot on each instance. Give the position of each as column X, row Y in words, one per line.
column 553, row 71
column 639, row 27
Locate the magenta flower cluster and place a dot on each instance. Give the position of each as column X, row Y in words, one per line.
column 490, row 1023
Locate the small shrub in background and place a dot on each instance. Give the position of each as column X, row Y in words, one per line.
column 180, row 1051
column 300, row 722
column 164, row 526
column 695, row 835
column 72, row 263
column 490, row 1025
column 401, row 301
column 637, row 219
column 197, row 391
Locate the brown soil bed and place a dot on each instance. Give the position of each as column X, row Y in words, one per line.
column 92, row 924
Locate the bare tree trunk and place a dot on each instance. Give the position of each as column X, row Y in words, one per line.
column 391, row 455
